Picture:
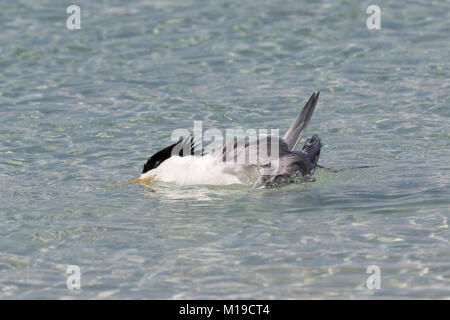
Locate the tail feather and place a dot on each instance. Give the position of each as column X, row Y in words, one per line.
column 295, row 132
column 312, row 148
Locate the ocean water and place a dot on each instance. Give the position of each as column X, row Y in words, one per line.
column 81, row 110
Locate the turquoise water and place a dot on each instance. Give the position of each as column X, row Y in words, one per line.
column 81, row 110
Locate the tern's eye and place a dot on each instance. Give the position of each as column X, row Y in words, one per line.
column 157, row 163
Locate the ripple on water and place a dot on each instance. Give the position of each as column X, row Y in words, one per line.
column 82, row 111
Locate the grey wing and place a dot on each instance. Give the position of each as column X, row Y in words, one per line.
column 261, row 152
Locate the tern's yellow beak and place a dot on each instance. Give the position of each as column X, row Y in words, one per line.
column 137, row 181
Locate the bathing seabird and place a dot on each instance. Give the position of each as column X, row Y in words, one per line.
column 182, row 164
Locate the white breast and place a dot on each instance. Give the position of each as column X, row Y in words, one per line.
column 191, row 170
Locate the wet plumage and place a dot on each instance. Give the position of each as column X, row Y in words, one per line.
column 182, row 164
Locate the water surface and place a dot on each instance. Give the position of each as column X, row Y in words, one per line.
column 80, row 111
